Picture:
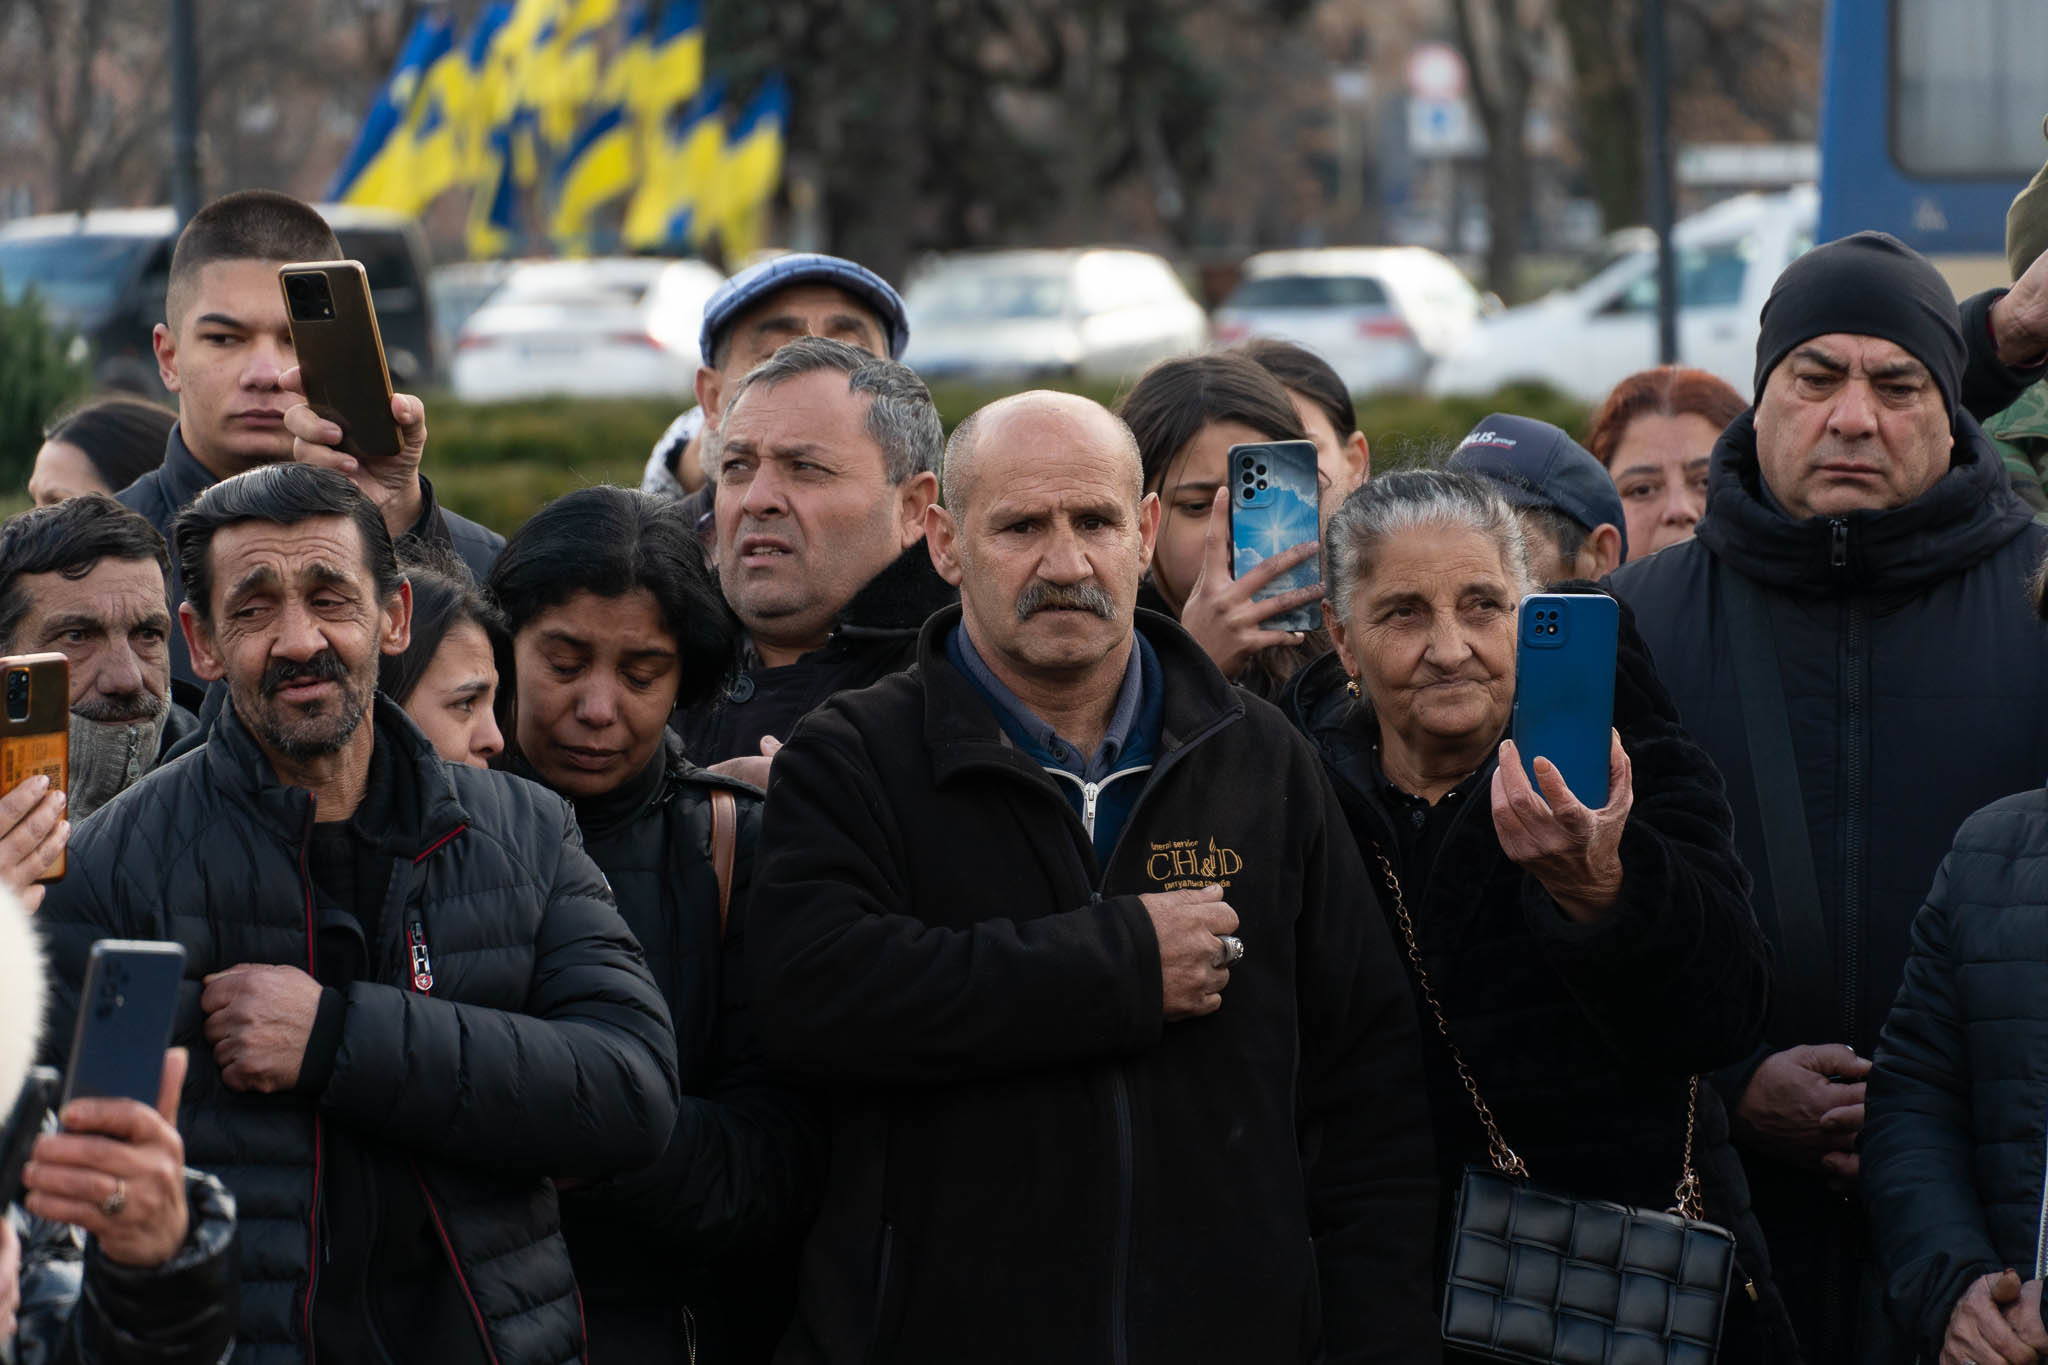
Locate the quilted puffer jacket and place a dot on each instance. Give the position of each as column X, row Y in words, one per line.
column 1955, row 1140
column 534, row 1043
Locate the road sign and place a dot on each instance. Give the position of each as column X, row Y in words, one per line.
column 1443, row 128
column 1436, row 72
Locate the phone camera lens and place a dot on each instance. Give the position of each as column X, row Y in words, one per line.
column 17, row 694
column 1249, row 495
column 1247, row 476
column 1262, row 469
column 1262, row 483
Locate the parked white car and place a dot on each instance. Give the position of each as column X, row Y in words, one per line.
column 1382, row 316
column 1006, row 316
column 1583, row 341
column 606, row 328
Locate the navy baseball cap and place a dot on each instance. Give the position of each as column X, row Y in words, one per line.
column 1534, row 464
column 757, row 282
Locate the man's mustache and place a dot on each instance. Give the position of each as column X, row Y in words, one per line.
column 1044, row 596
column 325, row 666
column 122, row 708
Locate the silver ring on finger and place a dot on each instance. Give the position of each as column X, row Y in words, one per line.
column 1232, row 949
column 117, row 1201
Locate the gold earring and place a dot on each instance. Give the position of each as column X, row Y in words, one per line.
column 1352, row 687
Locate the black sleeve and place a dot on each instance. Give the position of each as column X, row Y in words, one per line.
column 1677, row 974
column 182, row 1312
column 855, row 986
column 581, row 1083
column 1990, row 386
column 1919, row 1177
column 743, row 1166
column 1372, row 1184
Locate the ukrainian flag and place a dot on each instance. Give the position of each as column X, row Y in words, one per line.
column 600, row 166
column 377, row 170
column 752, row 169
column 493, row 205
column 445, row 118
column 681, row 164
column 675, row 63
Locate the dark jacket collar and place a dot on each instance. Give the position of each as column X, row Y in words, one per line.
column 1968, row 514
column 422, row 811
column 899, row 599
column 181, row 477
column 960, row 728
column 605, row 814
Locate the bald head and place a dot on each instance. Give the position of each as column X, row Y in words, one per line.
column 1031, row 429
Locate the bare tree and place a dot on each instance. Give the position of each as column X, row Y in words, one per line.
column 1502, row 47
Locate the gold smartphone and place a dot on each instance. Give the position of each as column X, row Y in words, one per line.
column 35, row 726
column 341, row 353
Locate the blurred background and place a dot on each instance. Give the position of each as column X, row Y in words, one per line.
column 1443, row 197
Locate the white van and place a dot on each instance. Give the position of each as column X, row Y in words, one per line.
column 1583, row 341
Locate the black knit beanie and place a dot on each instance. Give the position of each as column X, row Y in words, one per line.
column 1869, row 284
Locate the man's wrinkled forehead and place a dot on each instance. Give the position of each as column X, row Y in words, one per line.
column 256, row 556
column 807, row 308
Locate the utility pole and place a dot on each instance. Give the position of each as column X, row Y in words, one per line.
column 184, row 112
column 1657, row 73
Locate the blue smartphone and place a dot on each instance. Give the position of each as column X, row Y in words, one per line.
column 125, row 1013
column 1273, row 492
column 1564, row 688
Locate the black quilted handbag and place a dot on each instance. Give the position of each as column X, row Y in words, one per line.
column 1542, row 1277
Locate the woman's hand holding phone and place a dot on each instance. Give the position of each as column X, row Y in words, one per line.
column 392, row 484
column 33, row 832
column 118, row 1171
column 1220, row 612
column 1574, row 851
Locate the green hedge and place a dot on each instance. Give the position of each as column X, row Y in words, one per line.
column 497, row 463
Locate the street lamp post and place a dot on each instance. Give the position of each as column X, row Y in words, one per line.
column 184, row 113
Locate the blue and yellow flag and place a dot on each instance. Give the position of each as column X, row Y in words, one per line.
column 378, row 168
column 494, row 202
column 752, row 169
column 675, row 62
column 600, row 166
column 681, row 165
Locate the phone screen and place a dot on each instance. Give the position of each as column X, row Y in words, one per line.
column 1273, row 507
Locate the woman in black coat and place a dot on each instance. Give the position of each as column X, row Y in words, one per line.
column 1590, row 963
column 613, row 620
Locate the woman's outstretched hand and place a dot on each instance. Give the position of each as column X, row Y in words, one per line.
column 1573, row 850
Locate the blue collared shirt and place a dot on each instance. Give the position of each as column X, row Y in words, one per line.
column 1103, row 786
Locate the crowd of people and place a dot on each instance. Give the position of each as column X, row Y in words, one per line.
column 871, row 895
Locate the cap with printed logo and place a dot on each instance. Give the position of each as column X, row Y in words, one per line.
column 757, row 282
column 1534, row 464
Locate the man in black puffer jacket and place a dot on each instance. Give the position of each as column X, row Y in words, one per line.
column 1083, row 1109
column 410, row 1000
column 1863, row 554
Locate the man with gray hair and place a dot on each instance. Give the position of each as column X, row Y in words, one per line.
column 827, row 459
column 1119, row 1071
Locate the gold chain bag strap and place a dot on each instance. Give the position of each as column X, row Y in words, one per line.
column 1546, row 1278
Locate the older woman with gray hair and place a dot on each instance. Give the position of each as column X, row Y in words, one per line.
column 1589, row 963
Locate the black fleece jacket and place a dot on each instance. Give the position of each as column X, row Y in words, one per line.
column 1028, row 1163
column 533, row 1043
column 876, row 635
column 1582, row 1037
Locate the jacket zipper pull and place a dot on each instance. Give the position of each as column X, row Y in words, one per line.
column 422, row 964
column 1838, row 543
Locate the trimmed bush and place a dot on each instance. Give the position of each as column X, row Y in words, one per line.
column 37, row 377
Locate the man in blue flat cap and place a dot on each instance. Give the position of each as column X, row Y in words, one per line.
column 803, row 294
column 1570, row 513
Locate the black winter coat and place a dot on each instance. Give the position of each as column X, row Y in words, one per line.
column 714, row 1226
column 79, row 1308
column 876, row 635
column 1582, row 1037
column 1957, row 1128
column 169, row 489
column 1028, row 1163
column 1913, row 669
column 541, row 1048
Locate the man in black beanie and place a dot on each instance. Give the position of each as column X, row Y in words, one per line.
column 1849, row 636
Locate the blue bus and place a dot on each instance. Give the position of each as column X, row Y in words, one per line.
column 1930, row 122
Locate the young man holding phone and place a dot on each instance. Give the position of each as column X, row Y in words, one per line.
column 225, row 348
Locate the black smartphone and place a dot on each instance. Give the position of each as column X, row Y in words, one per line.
column 124, row 1023
column 1273, row 493
column 341, row 353
column 24, row 1125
